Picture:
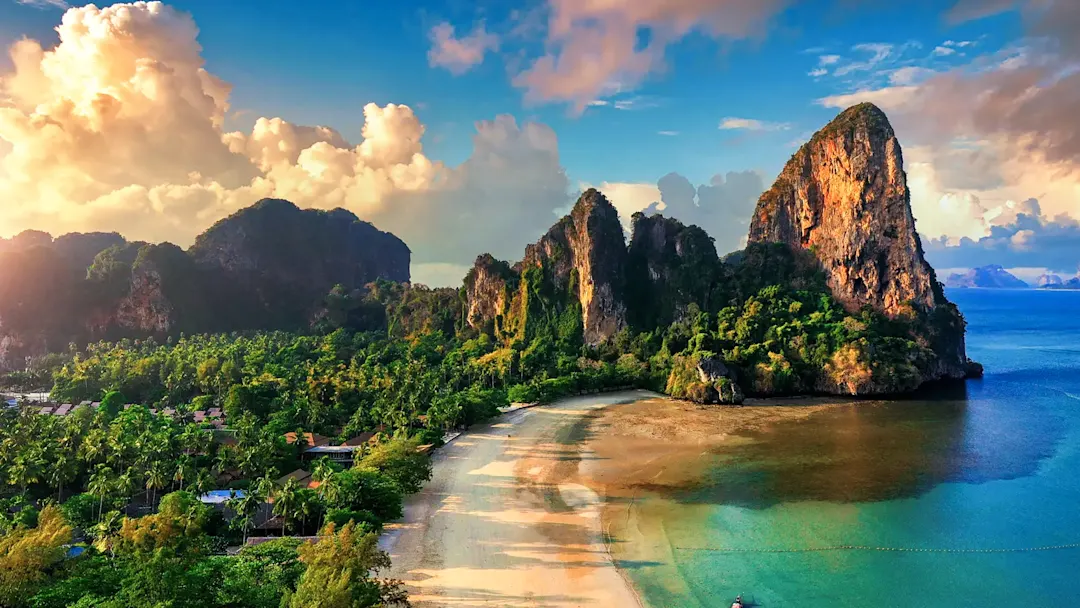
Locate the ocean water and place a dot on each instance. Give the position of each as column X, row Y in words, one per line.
column 954, row 487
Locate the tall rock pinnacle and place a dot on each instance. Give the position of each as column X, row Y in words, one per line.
column 588, row 247
column 581, row 260
column 844, row 196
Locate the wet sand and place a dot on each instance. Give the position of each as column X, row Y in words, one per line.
column 647, row 452
column 506, row 521
column 528, row 510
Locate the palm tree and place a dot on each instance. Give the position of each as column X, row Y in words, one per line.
column 125, row 484
column 62, row 471
column 155, row 480
column 286, row 502
column 308, row 504
column 27, row 468
column 105, row 531
column 267, row 484
column 100, row 484
column 202, row 483
column 328, row 489
column 245, row 508
column 183, row 470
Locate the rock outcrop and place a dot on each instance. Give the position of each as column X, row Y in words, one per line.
column 276, row 262
column 987, row 277
column 844, row 197
column 703, row 378
column 583, row 258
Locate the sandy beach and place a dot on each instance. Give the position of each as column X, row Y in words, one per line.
column 507, row 521
column 524, row 512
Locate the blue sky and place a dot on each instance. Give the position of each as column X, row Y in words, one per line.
column 320, row 65
column 772, row 80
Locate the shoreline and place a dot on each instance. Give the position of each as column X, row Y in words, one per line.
column 507, row 519
column 537, row 507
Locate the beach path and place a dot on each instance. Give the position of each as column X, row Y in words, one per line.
column 505, row 521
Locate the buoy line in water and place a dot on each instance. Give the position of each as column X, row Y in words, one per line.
column 893, row 549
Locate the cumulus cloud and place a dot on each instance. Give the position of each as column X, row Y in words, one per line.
column 595, row 46
column 750, row 124
column 722, row 207
column 1019, row 235
column 120, row 127
column 459, row 55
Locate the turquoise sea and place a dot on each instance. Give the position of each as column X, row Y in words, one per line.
column 945, row 476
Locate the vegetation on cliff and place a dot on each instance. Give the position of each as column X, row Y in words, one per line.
column 265, row 267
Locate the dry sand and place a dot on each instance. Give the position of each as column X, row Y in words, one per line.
column 505, row 520
column 522, row 512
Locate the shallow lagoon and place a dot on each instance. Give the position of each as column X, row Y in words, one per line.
column 994, row 466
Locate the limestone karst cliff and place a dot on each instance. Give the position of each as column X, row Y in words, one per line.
column 671, row 266
column 844, row 197
column 582, row 258
column 266, row 267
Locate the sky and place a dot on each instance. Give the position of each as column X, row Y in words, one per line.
column 469, row 126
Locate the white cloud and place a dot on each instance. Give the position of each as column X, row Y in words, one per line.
column 120, row 127
column 45, row 3
column 594, row 51
column 818, row 72
column 878, row 52
column 828, row 59
column 628, row 198
column 909, row 75
column 943, row 51
column 888, row 98
column 750, row 124
column 459, row 55
column 668, row 133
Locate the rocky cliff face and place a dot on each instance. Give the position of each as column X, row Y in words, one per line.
column 670, row 267
column 582, row 257
column 844, row 197
column 489, row 287
column 586, row 252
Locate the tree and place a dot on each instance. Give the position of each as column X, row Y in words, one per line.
column 286, row 502
column 112, row 404
column 367, row 490
column 401, row 460
column 100, row 484
column 340, row 571
column 203, row 483
column 62, row 471
column 183, row 471
column 155, row 480
column 27, row 555
column 80, row 510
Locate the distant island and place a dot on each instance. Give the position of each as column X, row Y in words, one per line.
column 987, row 277
column 1053, row 281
